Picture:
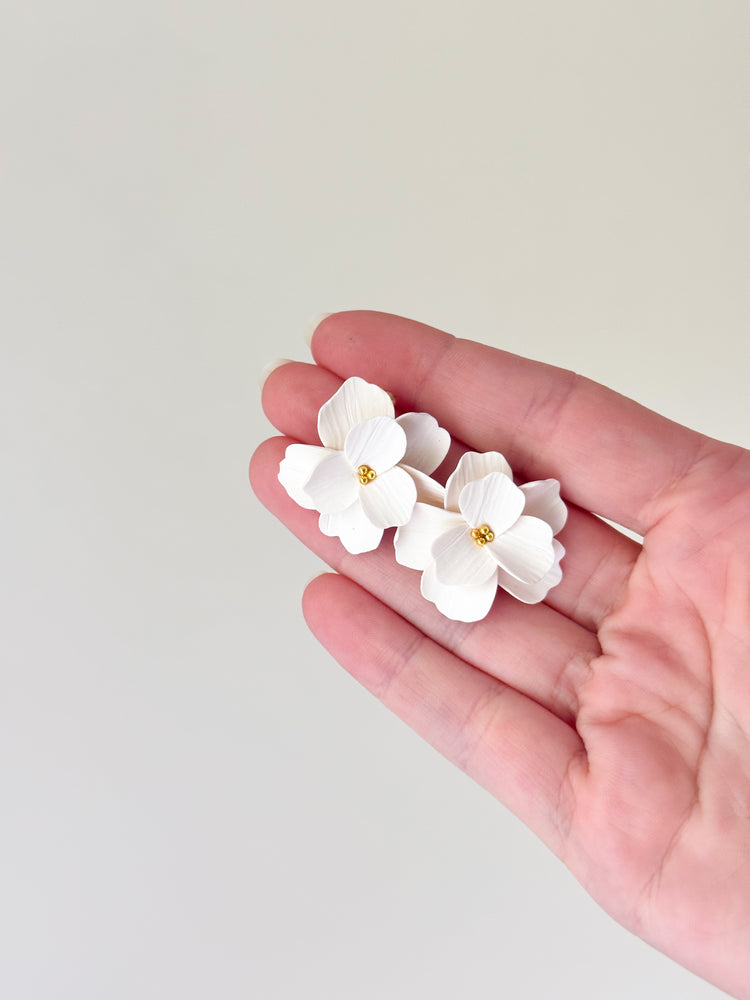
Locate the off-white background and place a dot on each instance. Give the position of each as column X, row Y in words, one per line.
column 196, row 802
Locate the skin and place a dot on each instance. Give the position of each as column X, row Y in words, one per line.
column 613, row 719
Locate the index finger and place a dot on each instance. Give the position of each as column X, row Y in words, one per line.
column 611, row 455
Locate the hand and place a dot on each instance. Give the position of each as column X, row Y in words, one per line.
column 614, row 719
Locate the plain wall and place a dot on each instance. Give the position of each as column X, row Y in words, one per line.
column 196, row 801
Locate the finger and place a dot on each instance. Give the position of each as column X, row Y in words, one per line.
column 292, row 395
column 599, row 559
column 612, row 456
column 531, row 647
column 508, row 743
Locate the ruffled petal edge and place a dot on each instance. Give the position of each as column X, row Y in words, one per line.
column 534, row 593
column 473, row 465
column 543, row 501
column 295, row 469
column 427, row 443
column 462, row 604
column 354, row 401
column 413, row 541
column 353, row 528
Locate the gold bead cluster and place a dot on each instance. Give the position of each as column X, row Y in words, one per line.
column 483, row 534
column 366, row 474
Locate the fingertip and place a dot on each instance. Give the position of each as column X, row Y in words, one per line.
column 313, row 325
column 381, row 347
column 316, row 595
column 264, row 464
column 293, row 395
column 349, row 324
column 271, row 367
column 280, row 369
column 314, row 583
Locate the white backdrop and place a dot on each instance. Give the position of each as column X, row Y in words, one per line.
column 195, row 800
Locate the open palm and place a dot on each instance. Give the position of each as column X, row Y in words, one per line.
column 614, row 719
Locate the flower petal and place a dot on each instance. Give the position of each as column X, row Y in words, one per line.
column 494, row 500
column 333, row 485
column 427, row 443
column 428, row 490
column 543, row 500
column 298, row 464
column 389, row 500
column 462, row 604
column 413, row 541
column 459, row 560
column 355, row 401
column 352, row 526
column 533, row 593
column 473, row 465
column 525, row 550
column 379, row 442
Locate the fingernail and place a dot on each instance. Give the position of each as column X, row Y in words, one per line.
column 323, row 572
column 271, row 367
column 313, row 325
column 314, row 577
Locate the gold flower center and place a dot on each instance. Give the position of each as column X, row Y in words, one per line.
column 483, row 534
column 366, row 474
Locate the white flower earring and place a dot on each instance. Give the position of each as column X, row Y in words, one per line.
column 372, row 467
column 489, row 534
column 479, row 532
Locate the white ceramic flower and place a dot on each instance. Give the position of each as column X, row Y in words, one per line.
column 371, row 469
column 489, row 533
